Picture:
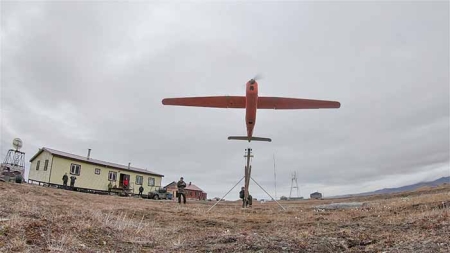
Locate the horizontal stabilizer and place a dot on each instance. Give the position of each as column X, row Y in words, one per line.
column 245, row 138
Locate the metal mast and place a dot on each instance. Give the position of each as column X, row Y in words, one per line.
column 275, row 176
column 293, row 180
column 14, row 163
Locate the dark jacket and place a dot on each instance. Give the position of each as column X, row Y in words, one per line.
column 242, row 194
column 65, row 178
column 181, row 185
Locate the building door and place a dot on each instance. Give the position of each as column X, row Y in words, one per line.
column 122, row 178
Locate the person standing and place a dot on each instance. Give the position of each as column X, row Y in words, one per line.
column 65, row 178
column 247, row 202
column 141, row 189
column 72, row 181
column 181, row 185
column 125, row 183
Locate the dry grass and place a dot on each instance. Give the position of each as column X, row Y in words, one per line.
column 36, row 219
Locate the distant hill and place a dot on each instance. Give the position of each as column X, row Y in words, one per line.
column 412, row 187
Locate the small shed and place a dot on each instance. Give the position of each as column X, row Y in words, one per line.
column 315, row 195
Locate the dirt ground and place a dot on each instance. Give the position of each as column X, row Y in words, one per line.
column 41, row 219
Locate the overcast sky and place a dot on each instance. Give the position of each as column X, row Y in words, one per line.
column 92, row 75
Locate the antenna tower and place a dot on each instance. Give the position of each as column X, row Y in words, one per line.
column 294, row 181
column 13, row 167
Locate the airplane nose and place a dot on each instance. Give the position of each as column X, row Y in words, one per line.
column 252, row 81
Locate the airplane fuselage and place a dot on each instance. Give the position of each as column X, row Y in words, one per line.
column 251, row 106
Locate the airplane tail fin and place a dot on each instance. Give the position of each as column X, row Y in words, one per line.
column 245, row 138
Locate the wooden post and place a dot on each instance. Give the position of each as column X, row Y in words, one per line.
column 248, row 171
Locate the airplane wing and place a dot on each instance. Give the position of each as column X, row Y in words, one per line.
column 217, row 101
column 279, row 103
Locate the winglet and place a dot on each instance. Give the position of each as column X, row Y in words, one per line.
column 245, row 138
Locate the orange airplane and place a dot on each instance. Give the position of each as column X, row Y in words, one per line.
column 251, row 102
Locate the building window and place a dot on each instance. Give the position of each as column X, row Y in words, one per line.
column 46, row 165
column 139, row 180
column 37, row 164
column 112, row 176
column 151, row 181
column 97, row 171
column 75, row 169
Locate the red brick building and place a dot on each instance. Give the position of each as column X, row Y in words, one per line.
column 191, row 191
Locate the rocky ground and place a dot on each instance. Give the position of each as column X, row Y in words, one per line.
column 40, row 219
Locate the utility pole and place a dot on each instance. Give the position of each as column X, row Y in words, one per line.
column 248, row 171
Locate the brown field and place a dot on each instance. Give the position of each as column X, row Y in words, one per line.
column 40, row 219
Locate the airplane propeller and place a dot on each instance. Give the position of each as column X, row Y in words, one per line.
column 256, row 78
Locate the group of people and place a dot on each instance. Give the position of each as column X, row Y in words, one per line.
column 125, row 184
column 65, row 178
column 181, row 185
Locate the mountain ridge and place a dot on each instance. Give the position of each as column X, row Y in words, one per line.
column 404, row 188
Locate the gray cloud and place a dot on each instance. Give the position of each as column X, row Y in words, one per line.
column 92, row 75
